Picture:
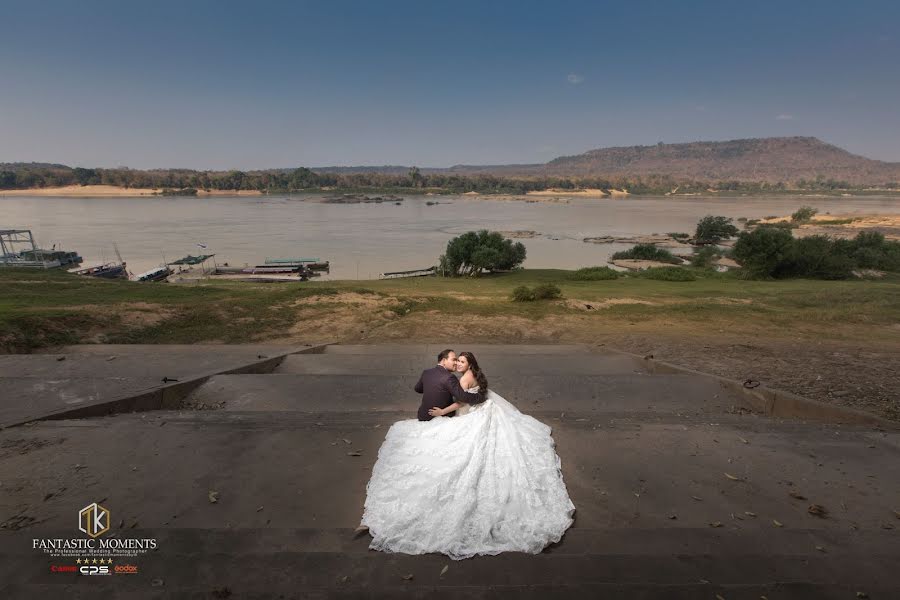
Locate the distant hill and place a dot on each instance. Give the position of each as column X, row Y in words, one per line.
column 762, row 159
column 785, row 159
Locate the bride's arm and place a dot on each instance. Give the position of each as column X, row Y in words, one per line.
column 440, row 412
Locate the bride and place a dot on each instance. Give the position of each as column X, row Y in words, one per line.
column 486, row 482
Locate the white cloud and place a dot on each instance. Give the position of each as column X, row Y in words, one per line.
column 783, row 117
column 575, row 78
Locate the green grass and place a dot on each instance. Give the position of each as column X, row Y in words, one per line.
column 40, row 308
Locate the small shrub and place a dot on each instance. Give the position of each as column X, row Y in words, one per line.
column 804, row 214
column 668, row 274
column 523, row 293
column 547, row 291
column 594, row 274
column 648, row 252
column 679, row 236
column 704, row 257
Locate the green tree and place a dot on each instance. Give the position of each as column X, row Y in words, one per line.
column 474, row 252
column 712, row 230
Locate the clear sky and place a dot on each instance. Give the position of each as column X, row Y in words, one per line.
column 220, row 84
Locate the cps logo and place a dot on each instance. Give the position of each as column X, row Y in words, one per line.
column 92, row 570
column 93, row 520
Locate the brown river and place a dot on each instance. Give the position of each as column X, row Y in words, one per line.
column 363, row 240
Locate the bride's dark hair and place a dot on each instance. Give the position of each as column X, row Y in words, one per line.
column 480, row 377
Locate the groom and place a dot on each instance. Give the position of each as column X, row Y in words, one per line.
column 439, row 386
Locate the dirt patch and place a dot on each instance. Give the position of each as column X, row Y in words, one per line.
column 854, row 375
column 634, row 264
column 355, row 298
column 601, row 304
column 134, row 315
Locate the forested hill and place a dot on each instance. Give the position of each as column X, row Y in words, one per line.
column 761, row 160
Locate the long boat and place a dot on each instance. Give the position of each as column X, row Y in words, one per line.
column 314, row 264
column 105, row 271
column 414, row 273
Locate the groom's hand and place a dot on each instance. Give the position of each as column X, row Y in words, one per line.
column 435, row 412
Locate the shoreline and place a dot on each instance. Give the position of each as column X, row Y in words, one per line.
column 550, row 195
column 114, row 191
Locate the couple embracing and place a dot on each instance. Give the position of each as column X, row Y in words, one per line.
column 486, row 482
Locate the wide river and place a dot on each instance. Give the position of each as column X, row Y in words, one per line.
column 364, row 240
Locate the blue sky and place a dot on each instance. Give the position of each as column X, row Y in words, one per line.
column 221, row 84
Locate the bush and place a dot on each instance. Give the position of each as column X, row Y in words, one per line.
column 679, row 236
column 712, row 230
column 594, row 274
column 668, row 274
column 804, row 214
column 547, row 291
column 704, row 257
column 523, row 293
column 476, row 251
column 773, row 252
column 762, row 251
column 648, row 252
column 817, row 257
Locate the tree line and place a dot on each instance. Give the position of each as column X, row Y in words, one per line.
column 26, row 176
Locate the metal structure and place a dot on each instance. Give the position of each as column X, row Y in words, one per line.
column 13, row 242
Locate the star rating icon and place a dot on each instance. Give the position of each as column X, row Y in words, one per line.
column 88, row 561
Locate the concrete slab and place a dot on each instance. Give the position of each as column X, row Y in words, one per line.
column 584, row 393
column 499, row 364
column 289, row 496
column 431, row 351
column 42, row 385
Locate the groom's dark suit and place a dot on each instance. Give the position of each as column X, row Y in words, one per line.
column 439, row 387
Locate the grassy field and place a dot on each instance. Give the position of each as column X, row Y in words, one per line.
column 40, row 308
column 833, row 340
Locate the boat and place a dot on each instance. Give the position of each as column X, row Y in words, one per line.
column 18, row 249
column 313, row 264
column 414, row 273
column 104, row 271
column 157, row 274
column 62, row 257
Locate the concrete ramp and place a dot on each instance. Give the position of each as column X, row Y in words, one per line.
column 681, row 491
column 97, row 379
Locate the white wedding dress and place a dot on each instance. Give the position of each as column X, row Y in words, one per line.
column 482, row 483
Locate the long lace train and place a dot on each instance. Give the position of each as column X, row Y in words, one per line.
column 483, row 483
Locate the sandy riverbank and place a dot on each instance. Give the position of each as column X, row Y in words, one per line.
column 114, row 191
column 583, row 193
column 846, row 225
